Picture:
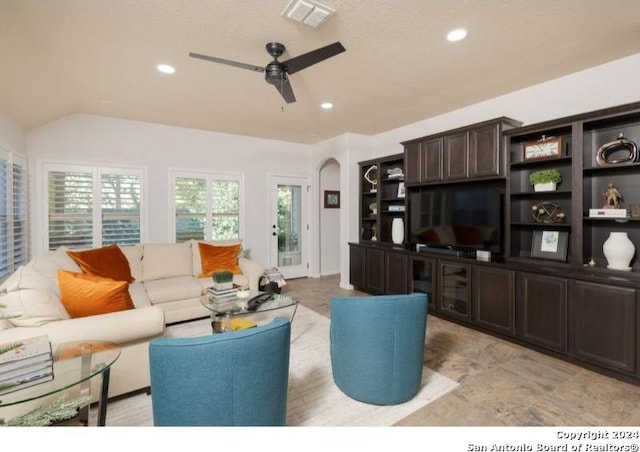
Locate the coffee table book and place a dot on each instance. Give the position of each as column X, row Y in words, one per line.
column 26, row 352
column 607, row 213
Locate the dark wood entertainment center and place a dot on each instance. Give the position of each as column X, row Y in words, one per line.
column 586, row 314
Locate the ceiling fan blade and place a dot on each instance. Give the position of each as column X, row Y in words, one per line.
column 250, row 67
column 305, row 60
column 285, row 89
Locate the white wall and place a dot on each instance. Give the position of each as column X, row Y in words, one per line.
column 347, row 150
column 603, row 86
column 12, row 137
column 87, row 139
column 329, row 220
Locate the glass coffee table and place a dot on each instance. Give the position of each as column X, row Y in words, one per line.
column 74, row 365
column 232, row 313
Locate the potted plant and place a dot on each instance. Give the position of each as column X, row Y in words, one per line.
column 545, row 180
column 222, row 280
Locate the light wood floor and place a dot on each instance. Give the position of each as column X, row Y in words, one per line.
column 501, row 384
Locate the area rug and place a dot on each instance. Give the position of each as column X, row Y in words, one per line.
column 313, row 399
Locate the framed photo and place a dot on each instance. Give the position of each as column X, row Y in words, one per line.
column 401, row 190
column 331, row 199
column 545, row 148
column 550, row 245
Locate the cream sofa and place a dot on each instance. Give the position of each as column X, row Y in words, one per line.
column 166, row 290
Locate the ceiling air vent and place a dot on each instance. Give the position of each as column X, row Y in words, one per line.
column 308, row 12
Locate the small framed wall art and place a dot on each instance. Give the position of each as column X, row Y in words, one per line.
column 544, row 148
column 401, row 190
column 550, row 245
column 331, row 199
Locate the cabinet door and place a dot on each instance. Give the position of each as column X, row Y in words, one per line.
column 431, row 163
column 374, row 271
column 396, row 278
column 603, row 325
column 456, row 156
column 494, row 298
column 484, row 155
column 423, row 278
column 454, row 286
column 541, row 310
column 412, row 163
column 357, row 256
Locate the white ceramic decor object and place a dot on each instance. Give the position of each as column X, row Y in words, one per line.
column 619, row 251
column 397, row 231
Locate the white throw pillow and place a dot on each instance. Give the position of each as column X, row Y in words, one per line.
column 166, row 260
column 34, row 307
column 46, row 269
column 197, row 262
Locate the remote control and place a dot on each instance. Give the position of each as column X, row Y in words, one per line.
column 256, row 301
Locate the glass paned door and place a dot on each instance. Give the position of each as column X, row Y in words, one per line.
column 289, row 226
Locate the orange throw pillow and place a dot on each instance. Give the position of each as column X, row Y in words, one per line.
column 218, row 258
column 108, row 262
column 83, row 295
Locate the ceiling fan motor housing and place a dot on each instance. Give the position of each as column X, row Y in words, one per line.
column 274, row 73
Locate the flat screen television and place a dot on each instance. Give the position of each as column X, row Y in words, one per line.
column 461, row 217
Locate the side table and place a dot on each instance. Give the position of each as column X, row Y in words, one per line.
column 74, row 363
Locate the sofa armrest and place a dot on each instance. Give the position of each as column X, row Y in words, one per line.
column 119, row 327
column 252, row 270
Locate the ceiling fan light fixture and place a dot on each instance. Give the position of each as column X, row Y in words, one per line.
column 308, row 12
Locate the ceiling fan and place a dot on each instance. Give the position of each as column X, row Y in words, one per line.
column 277, row 72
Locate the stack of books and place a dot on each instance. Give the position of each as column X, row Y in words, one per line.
column 25, row 363
column 223, row 293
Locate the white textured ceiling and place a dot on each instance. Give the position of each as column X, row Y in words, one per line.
column 98, row 56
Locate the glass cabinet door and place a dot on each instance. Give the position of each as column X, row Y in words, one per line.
column 423, row 278
column 455, row 288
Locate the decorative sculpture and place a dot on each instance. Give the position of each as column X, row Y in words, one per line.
column 607, row 152
column 547, row 212
column 612, row 197
column 371, row 176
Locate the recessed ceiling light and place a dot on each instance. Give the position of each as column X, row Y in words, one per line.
column 166, row 69
column 457, row 35
column 326, row 105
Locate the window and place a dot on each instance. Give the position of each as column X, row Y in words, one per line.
column 92, row 207
column 207, row 207
column 13, row 216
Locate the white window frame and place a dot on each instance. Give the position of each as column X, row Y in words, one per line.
column 208, row 176
column 96, row 171
column 14, row 159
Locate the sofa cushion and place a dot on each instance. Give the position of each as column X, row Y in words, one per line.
column 139, row 295
column 171, row 289
column 197, row 260
column 218, row 258
column 33, row 307
column 84, row 295
column 108, row 262
column 133, row 253
column 166, row 260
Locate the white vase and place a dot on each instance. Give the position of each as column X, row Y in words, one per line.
column 619, row 251
column 397, row 231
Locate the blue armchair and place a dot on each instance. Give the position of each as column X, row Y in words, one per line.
column 377, row 346
column 238, row 378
